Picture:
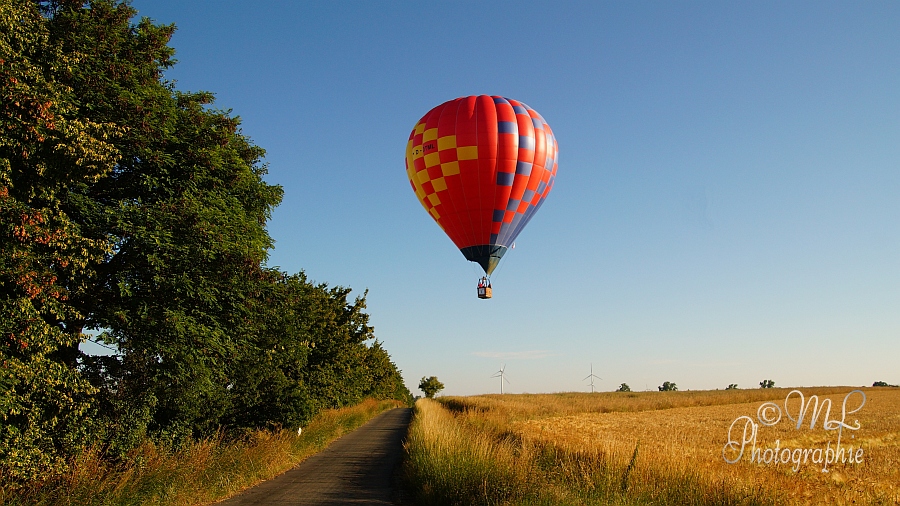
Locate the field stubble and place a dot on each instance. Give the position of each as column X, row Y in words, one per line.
column 647, row 447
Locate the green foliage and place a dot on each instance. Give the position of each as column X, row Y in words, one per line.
column 430, row 386
column 668, row 387
column 133, row 208
column 766, row 384
column 46, row 260
column 623, row 388
column 385, row 380
column 882, row 384
column 732, row 386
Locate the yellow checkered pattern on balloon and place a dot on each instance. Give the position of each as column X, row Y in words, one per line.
column 419, row 163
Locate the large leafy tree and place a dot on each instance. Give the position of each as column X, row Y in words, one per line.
column 46, row 260
column 139, row 211
column 127, row 206
column 184, row 209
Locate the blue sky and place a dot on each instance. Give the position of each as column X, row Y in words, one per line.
column 726, row 208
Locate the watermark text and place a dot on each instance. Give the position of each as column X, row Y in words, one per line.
column 744, row 431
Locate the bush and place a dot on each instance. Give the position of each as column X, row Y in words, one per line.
column 668, row 387
column 430, row 386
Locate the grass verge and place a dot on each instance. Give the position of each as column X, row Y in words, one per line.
column 449, row 463
column 202, row 472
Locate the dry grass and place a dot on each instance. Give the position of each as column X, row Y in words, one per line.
column 450, row 464
column 659, row 447
column 200, row 473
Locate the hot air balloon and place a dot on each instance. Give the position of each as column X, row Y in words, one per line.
column 482, row 166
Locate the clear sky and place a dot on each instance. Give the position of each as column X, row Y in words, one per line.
column 726, row 208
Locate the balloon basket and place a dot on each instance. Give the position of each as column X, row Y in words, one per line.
column 484, row 292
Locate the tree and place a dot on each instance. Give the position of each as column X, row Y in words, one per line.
column 766, row 384
column 882, row 384
column 47, row 261
column 732, row 386
column 668, row 387
column 130, row 207
column 624, row 388
column 183, row 213
column 430, row 386
column 385, row 381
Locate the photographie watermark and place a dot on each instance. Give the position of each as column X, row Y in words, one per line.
column 743, row 432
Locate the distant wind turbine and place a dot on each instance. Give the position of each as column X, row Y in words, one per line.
column 502, row 375
column 592, row 376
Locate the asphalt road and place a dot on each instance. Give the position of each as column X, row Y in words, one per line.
column 356, row 469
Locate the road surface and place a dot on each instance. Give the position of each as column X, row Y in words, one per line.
column 356, row 469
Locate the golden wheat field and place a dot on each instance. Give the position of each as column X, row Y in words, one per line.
column 660, row 446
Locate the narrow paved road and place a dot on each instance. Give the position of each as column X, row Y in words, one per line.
column 356, row 469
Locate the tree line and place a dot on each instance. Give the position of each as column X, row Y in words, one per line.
column 133, row 209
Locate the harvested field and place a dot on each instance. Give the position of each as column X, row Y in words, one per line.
column 634, row 448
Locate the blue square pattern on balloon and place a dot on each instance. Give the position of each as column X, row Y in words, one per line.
column 507, row 127
column 505, row 178
column 523, row 168
column 514, row 224
column 526, row 142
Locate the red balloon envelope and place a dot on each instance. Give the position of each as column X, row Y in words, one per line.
column 482, row 166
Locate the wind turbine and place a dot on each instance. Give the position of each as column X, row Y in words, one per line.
column 592, row 376
column 502, row 375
